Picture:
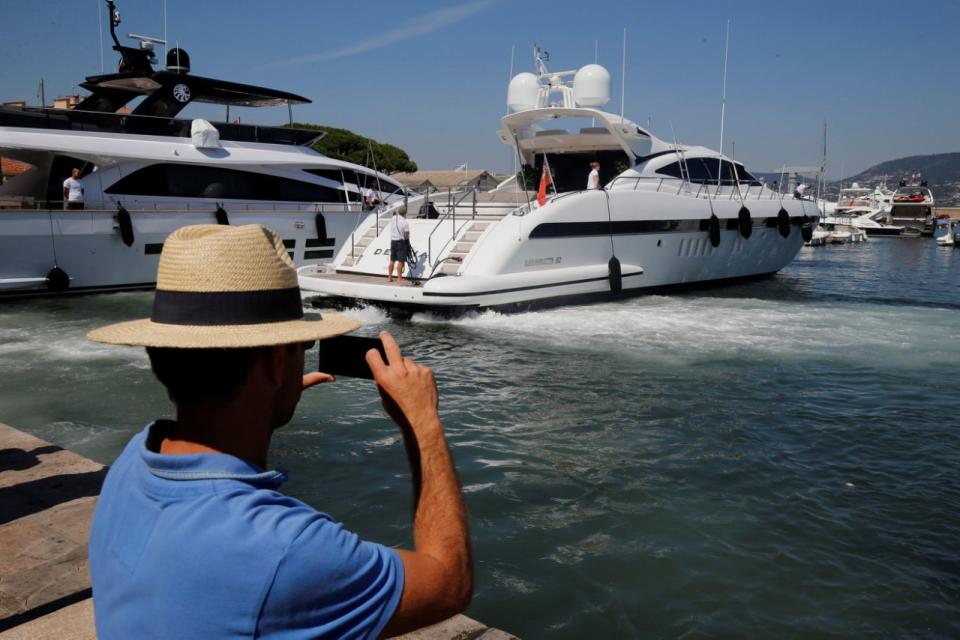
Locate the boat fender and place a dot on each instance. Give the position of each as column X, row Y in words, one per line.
column 783, row 223
column 616, row 276
column 806, row 229
column 714, row 229
column 744, row 222
column 221, row 214
column 321, row 227
column 126, row 226
column 57, row 280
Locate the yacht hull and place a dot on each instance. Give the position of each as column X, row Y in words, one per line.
column 561, row 253
column 87, row 246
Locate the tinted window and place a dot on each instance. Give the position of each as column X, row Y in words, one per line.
column 704, row 170
column 192, row 181
column 352, row 177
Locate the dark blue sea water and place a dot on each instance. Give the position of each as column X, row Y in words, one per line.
column 779, row 459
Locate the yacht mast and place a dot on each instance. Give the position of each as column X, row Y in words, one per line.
column 723, row 106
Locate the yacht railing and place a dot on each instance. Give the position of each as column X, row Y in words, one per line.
column 694, row 189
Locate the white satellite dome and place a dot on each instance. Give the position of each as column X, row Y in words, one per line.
column 591, row 86
column 523, row 92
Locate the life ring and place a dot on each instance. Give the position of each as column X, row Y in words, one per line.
column 783, row 223
column 744, row 222
column 806, row 228
column 126, row 226
column 57, row 280
column 850, row 204
column 321, row 227
column 221, row 214
column 616, row 276
column 713, row 227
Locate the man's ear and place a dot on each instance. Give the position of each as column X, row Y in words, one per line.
column 272, row 360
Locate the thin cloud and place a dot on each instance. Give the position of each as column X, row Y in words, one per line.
column 418, row 26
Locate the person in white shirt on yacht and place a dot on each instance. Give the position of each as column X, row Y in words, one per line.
column 593, row 178
column 399, row 243
column 73, row 191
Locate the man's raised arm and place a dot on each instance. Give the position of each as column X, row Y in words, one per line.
column 438, row 573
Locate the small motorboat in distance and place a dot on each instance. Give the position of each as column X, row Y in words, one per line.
column 665, row 216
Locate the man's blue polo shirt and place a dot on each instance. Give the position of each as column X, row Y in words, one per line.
column 204, row 546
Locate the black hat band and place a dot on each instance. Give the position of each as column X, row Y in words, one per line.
column 226, row 307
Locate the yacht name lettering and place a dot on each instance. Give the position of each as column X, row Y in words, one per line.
column 536, row 262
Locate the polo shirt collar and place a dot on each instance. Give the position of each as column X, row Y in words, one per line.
column 200, row 466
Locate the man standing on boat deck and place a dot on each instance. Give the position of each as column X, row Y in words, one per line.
column 593, row 178
column 73, row 191
column 192, row 538
column 399, row 243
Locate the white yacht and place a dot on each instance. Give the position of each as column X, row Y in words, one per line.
column 912, row 208
column 144, row 173
column 667, row 216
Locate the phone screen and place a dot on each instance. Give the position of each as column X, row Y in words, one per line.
column 347, row 356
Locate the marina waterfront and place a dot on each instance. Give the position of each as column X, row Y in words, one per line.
column 775, row 459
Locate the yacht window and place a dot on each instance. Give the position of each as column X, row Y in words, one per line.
column 355, row 178
column 704, row 171
column 193, row 181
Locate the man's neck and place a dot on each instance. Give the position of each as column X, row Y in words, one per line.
column 230, row 429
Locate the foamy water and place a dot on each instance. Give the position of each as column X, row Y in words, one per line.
column 779, row 459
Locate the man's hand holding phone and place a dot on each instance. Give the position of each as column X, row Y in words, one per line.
column 408, row 389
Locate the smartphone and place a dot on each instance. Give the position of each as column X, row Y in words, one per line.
column 347, row 356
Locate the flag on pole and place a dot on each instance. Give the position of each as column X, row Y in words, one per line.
column 546, row 179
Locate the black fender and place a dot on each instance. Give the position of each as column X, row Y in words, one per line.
column 57, row 280
column 126, row 226
column 744, row 222
column 321, row 226
column 221, row 214
column 714, row 228
column 806, row 228
column 616, row 275
column 783, row 222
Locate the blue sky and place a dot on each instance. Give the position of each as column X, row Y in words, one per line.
column 431, row 77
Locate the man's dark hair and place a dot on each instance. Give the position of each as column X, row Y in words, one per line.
column 197, row 375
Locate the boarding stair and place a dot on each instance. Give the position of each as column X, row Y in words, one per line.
column 361, row 243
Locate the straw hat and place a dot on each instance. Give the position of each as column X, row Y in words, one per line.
column 224, row 287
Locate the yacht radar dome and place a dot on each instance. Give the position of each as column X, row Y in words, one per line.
column 178, row 61
column 523, row 92
column 591, row 86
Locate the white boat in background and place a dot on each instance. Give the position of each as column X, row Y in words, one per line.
column 947, row 233
column 668, row 216
column 145, row 173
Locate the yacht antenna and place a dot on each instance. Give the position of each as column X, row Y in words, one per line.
column 513, row 49
column 164, row 29
column 723, row 106
column 623, row 73
column 100, row 28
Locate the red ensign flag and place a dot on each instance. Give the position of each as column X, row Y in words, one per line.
column 545, row 180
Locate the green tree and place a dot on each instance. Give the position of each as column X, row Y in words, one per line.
column 348, row 146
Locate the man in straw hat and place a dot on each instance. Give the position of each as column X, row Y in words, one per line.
column 191, row 536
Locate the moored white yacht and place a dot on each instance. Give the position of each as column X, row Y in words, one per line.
column 912, row 208
column 667, row 216
column 144, row 173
